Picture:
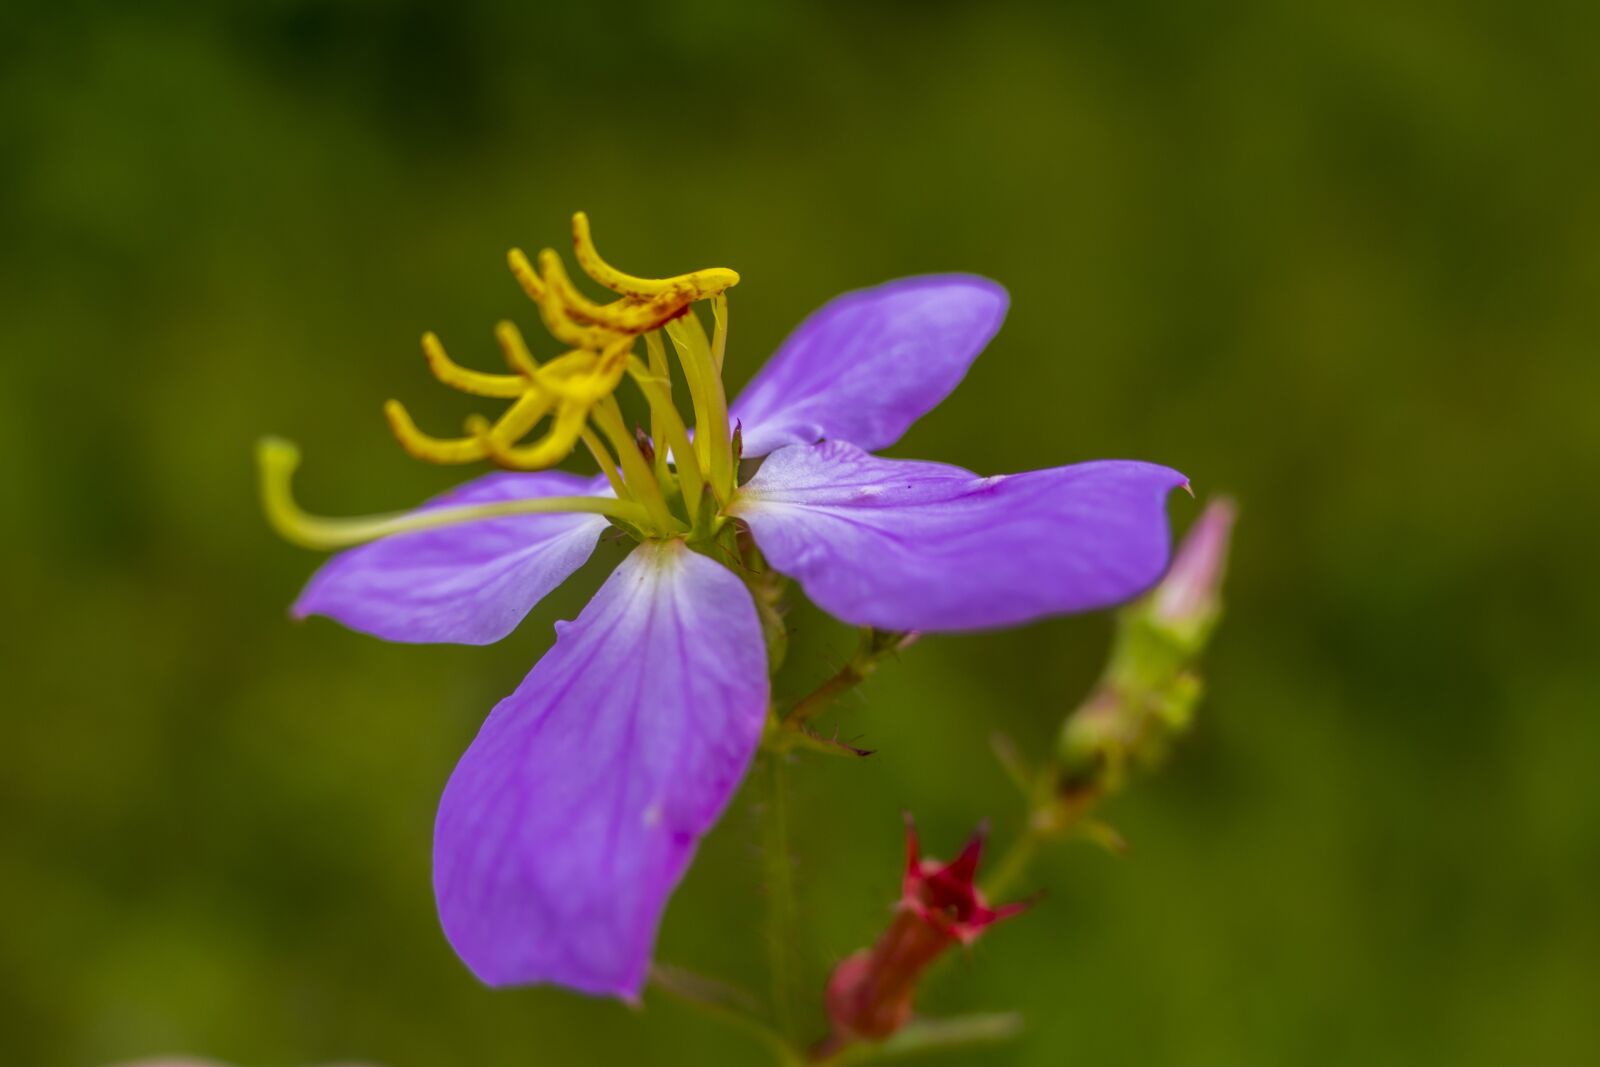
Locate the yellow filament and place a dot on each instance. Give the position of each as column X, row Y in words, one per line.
column 576, row 387
column 621, row 316
column 454, row 375
column 425, row 447
column 662, row 373
column 635, row 471
column 277, row 460
column 697, row 400
column 702, row 283
column 552, row 311
column 515, row 349
column 602, row 381
column 608, row 466
column 549, row 450
column 523, row 271
column 518, row 419
column 522, row 416
column 564, row 376
column 719, row 331
column 669, row 431
column 711, row 406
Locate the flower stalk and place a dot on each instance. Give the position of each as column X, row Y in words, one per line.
column 778, row 868
column 875, row 646
column 1144, row 701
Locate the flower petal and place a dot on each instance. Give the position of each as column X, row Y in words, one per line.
column 868, row 364
column 467, row 584
column 576, row 810
column 902, row 545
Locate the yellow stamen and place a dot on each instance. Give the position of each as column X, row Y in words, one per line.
column 635, row 471
column 523, row 271
column 552, row 311
column 278, row 459
column 574, row 391
column 711, row 405
column 663, row 374
column 572, row 374
column 456, row 376
column 669, row 431
column 549, row 450
column 696, row 380
column 621, row 316
column 608, row 466
column 702, row 283
column 518, row 419
column 719, row 330
column 425, row 447
column 515, row 349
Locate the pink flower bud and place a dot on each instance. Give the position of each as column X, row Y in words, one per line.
column 1190, row 595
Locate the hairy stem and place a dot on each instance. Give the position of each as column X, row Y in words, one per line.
column 725, row 1005
column 779, row 872
column 875, row 647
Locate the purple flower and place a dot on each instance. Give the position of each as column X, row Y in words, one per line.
column 575, row 811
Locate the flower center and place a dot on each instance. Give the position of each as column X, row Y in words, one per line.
column 570, row 399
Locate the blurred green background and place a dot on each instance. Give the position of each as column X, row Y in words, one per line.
column 1338, row 258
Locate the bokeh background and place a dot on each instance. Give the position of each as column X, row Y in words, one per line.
column 1338, row 258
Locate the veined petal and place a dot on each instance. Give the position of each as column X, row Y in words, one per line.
column 576, row 810
column 468, row 584
column 868, row 364
column 903, row 545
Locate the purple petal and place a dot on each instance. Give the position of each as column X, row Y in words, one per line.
column 576, row 810
column 467, row 584
column 868, row 364
column 902, row 545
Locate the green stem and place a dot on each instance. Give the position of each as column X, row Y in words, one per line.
column 875, row 647
column 931, row 1035
column 780, row 894
column 848, row 678
column 1014, row 864
column 719, row 1003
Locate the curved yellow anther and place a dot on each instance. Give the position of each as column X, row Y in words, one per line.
column 526, row 276
column 551, row 312
column 703, row 283
column 577, row 387
column 518, row 419
column 549, row 450
column 623, row 316
column 580, row 375
column 557, row 315
column 608, row 372
column 515, row 349
column 451, row 373
column 429, row 449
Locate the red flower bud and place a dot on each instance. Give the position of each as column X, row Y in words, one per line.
column 870, row 994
